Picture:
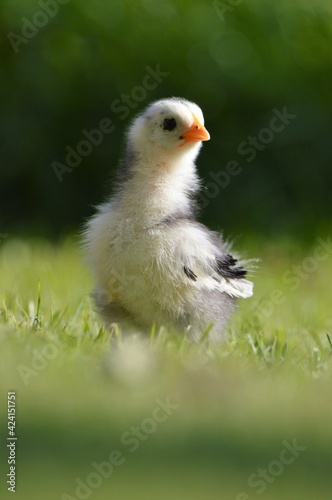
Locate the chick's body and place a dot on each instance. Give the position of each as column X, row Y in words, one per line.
column 151, row 260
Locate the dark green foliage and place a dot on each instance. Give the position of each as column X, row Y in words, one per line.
column 242, row 64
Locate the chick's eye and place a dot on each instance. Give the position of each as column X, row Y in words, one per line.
column 169, row 124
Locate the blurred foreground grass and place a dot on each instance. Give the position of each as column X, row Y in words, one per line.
column 83, row 391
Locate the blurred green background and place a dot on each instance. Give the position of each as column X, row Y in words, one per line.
column 237, row 60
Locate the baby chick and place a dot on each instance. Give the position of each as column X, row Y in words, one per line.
column 151, row 260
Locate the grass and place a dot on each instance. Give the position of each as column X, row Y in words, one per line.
column 84, row 392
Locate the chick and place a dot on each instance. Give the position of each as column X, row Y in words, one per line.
column 152, row 262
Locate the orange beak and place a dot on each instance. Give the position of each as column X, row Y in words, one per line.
column 195, row 133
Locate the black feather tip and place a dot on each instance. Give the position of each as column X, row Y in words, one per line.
column 227, row 268
column 190, row 273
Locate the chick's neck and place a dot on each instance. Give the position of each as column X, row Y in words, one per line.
column 163, row 194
